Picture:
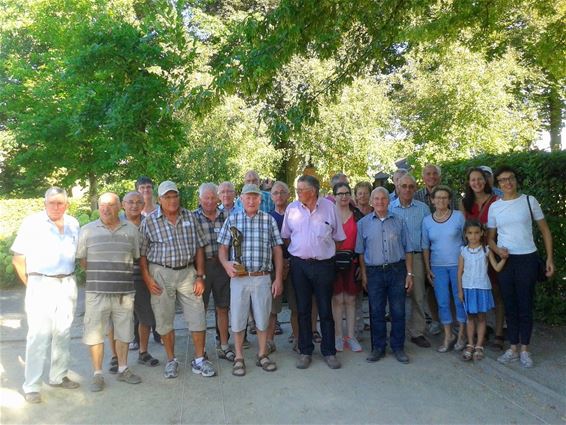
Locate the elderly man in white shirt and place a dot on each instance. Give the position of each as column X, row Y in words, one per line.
column 44, row 260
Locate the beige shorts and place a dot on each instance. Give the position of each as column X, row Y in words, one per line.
column 101, row 309
column 176, row 284
column 246, row 292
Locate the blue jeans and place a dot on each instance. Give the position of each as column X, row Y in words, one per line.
column 314, row 277
column 517, row 282
column 387, row 286
column 446, row 280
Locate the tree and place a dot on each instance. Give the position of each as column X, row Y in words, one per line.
column 91, row 90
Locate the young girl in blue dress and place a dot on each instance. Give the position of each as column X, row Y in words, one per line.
column 474, row 287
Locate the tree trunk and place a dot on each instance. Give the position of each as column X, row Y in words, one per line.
column 555, row 105
column 92, row 191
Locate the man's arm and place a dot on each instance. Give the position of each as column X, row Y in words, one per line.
column 363, row 274
column 409, row 266
column 150, row 282
column 198, row 286
column 223, row 258
column 19, row 263
column 277, row 287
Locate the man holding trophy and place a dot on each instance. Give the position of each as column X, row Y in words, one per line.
column 250, row 244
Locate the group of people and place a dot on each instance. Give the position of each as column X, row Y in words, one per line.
column 414, row 248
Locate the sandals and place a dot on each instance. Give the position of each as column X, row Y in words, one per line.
column 479, row 353
column 468, row 353
column 239, row 368
column 444, row 348
column 147, row 359
column 266, row 363
column 113, row 365
column 316, row 338
column 226, row 354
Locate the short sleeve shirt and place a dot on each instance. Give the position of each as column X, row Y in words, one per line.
column 513, row 222
column 259, row 235
column 47, row 250
column 168, row 244
column 312, row 233
column 210, row 229
column 110, row 255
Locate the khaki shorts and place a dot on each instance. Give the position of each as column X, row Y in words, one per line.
column 288, row 293
column 101, row 309
column 217, row 282
column 176, row 285
column 246, row 291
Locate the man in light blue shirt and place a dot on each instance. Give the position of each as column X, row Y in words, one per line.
column 386, row 268
column 413, row 212
column 44, row 260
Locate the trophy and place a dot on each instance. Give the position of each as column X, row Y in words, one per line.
column 237, row 238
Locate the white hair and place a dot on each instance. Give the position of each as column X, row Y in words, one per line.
column 53, row 191
column 207, row 187
column 379, row 189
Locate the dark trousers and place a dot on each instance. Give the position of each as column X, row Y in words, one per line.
column 387, row 285
column 517, row 283
column 314, row 277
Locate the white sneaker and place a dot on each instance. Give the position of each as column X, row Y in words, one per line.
column 339, row 344
column 171, row 369
column 354, row 345
column 508, row 357
column 525, row 358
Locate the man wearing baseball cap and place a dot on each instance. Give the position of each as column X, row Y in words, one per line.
column 488, row 174
column 172, row 264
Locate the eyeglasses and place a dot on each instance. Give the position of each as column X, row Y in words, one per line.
column 408, row 186
column 343, row 193
column 134, row 202
column 279, row 192
column 506, row 179
column 299, row 190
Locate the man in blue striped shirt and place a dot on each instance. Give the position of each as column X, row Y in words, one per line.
column 413, row 212
column 386, row 268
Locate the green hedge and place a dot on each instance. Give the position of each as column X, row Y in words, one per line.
column 542, row 175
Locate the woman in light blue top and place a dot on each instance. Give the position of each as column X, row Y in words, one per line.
column 442, row 239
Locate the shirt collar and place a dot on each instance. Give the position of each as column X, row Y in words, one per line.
column 375, row 216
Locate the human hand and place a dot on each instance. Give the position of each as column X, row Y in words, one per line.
column 153, row 287
column 430, row 277
column 408, row 284
column 198, row 286
column 549, row 267
column 277, row 288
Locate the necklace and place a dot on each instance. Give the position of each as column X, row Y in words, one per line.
column 474, row 250
column 443, row 216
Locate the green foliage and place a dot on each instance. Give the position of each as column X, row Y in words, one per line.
column 91, row 91
column 542, row 175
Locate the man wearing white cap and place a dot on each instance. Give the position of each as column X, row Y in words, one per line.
column 172, row 265
column 488, row 174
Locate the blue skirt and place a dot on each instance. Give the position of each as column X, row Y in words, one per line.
column 478, row 300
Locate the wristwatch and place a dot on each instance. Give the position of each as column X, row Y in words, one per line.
column 410, row 274
column 201, row 276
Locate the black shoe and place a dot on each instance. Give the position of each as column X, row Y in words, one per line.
column 401, row 356
column 375, row 356
column 421, row 341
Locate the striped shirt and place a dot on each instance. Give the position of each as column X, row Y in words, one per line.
column 171, row 245
column 260, row 235
column 382, row 241
column 110, row 256
column 413, row 216
column 210, row 229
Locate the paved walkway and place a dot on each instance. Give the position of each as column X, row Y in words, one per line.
column 433, row 388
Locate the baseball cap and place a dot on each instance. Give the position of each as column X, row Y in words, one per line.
column 486, row 169
column 165, row 187
column 251, row 188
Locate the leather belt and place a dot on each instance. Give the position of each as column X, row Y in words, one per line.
column 54, row 276
column 315, row 260
column 387, row 266
column 174, row 268
column 253, row 274
column 415, row 252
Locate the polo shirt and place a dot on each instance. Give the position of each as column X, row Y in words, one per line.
column 110, row 256
column 47, row 251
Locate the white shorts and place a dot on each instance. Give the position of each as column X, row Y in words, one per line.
column 246, row 291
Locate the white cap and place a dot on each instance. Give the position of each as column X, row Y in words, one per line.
column 166, row 186
column 486, row 169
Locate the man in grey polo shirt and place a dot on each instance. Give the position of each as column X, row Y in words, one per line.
column 173, row 265
column 107, row 250
column 260, row 242
column 44, row 259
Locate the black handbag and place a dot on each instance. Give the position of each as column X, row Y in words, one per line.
column 541, row 264
column 344, row 259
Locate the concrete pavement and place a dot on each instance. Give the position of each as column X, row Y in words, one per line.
column 433, row 388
